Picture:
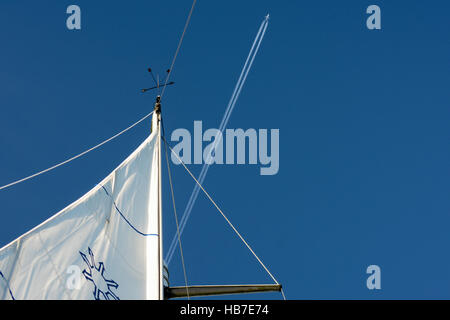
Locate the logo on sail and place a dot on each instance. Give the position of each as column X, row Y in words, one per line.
column 96, row 274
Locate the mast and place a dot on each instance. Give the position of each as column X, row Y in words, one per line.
column 155, row 262
column 160, row 229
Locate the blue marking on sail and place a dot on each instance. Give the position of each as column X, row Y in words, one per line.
column 126, row 220
column 7, row 285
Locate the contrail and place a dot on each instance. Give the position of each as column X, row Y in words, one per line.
column 237, row 90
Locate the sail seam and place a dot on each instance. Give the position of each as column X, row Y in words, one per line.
column 55, row 269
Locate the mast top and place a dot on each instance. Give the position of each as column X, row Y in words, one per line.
column 156, row 82
column 157, row 106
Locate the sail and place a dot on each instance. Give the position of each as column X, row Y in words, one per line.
column 105, row 245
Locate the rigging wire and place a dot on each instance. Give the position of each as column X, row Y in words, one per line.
column 175, row 211
column 76, row 156
column 282, row 293
column 221, row 212
column 231, row 104
column 178, row 47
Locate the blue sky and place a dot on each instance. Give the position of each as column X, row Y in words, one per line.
column 363, row 118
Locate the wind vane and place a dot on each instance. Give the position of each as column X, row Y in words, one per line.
column 156, row 81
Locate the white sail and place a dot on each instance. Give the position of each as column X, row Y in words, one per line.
column 105, row 245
